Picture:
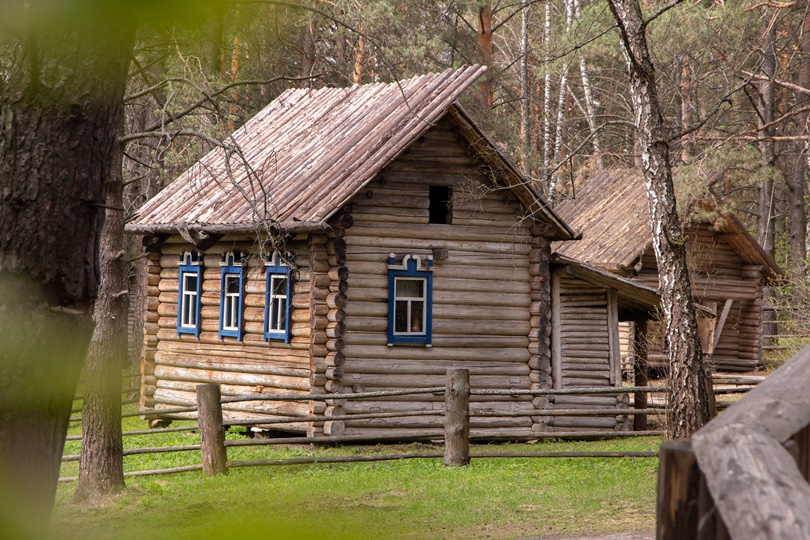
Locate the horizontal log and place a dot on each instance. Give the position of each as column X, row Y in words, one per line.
column 433, row 242
column 416, row 381
column 438, row 422
column 584, row 422
column 174, row 373
column 436, row 407
column 378, row 350
column 435, row 367
column 261, row 366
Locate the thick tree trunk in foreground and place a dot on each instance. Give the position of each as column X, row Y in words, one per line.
column 60, row 108
column 101, row 470
column 690, row 396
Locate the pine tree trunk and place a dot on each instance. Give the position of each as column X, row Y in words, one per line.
column 485, row 54
column 797, row 220
column 101, row 469
column 56, row 152
column 688, row 97
column 765, row 213
column 690, row 397
column 309, row 52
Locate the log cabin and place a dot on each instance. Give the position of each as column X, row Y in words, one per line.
column 368, row 238
column 727, row 266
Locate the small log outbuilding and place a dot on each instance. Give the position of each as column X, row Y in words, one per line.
column 727, row 266
column 358, row 239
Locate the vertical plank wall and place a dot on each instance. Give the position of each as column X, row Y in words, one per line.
column 718, row 274
column 584, row 353
column 481, row 292
column 177, row 363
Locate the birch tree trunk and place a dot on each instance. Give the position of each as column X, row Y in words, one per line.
column 547, row 97
column 558, row 133
column 690, row 392
column 590, row 103
column 525, row 101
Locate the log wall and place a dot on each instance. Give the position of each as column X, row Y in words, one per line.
column 718, row 275
column 488, row 283
column 174, row 364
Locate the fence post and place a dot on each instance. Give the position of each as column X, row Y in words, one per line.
column 212, row 434
column 457, row 418
column 679, row 486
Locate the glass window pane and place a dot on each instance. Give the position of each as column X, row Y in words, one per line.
column 400, row 316
column 191, row 312
column 410, row 288
column 417, row 314
column 282, row 316
column 232, row 284
column 190, row 282
column 279, row 285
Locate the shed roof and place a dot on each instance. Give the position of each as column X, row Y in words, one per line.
column 635, row 300
column 302, row 157
column 612, row 211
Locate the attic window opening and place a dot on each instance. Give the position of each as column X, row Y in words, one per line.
column 440, row 207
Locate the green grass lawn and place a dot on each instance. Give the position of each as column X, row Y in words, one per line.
column 420, row 498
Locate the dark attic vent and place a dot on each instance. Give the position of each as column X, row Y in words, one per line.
column 439, row 208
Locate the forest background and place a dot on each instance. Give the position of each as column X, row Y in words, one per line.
column 733, row 83
column 734, row 76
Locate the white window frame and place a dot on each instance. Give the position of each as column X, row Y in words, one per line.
column 409, row 309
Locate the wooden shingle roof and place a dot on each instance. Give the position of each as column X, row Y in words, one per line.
column 301, row 158
column 611, row 211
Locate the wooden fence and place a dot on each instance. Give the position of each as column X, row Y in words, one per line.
column 745, row 475
column 456, row 434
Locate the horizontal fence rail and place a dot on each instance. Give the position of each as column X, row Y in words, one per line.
column 213, row 446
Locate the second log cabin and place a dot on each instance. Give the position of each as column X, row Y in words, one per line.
column 727, row 267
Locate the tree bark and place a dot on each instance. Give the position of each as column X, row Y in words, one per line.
column 60, row 107
column 525, row 96
column 797, row 220
column 547, row 97
column 309, row 53
column 690, row 397
column 101, row 469
column 485, row 54
column 590, row 102
column 765, row 215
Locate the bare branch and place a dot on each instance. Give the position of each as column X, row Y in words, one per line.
column 166, row 135
column 661, row 11
column 209, row 97
column 710, row 114
column 785, row 84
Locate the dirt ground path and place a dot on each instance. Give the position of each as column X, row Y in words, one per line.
column 626, row 535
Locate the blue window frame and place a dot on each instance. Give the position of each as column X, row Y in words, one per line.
column 410, row 300
column 232, row 295
column 278, row 300
column 189, row 293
